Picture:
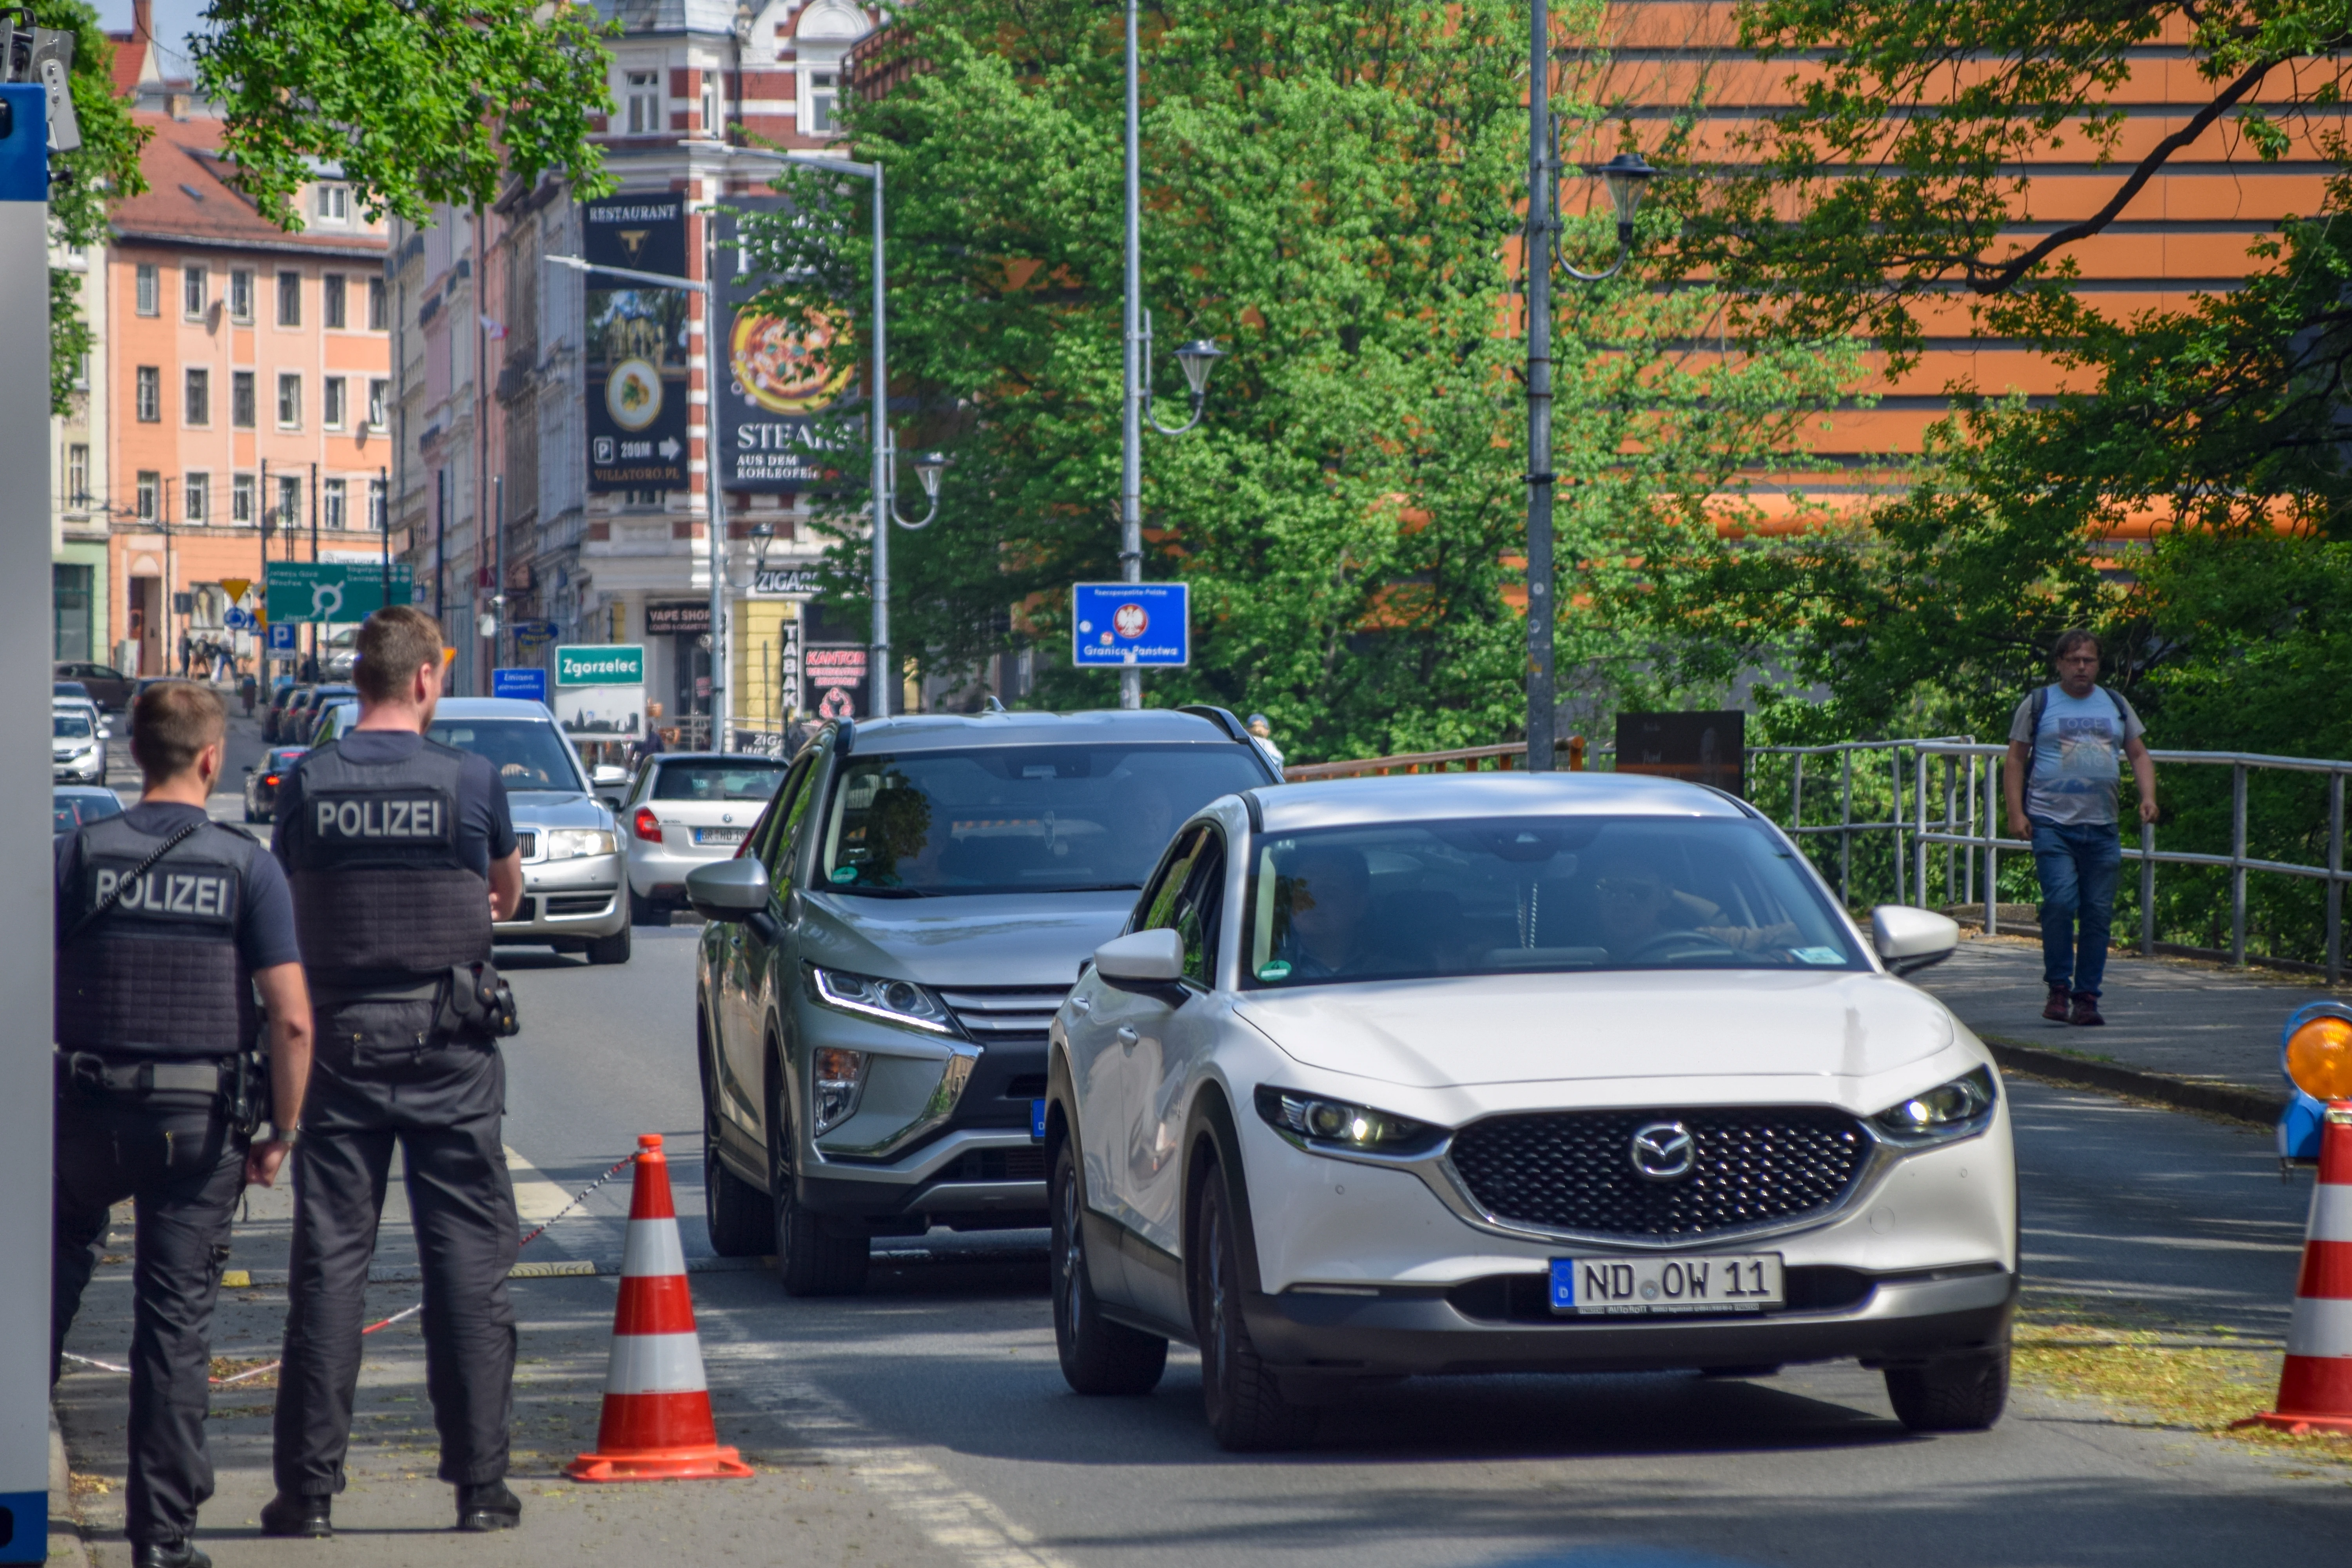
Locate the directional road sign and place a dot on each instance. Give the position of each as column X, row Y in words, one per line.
column 527, row 684
column 1117, row 624
column 333, row 590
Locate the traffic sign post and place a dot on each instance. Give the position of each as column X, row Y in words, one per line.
column 600, row 691
column 334, row 591
column 1131, row 626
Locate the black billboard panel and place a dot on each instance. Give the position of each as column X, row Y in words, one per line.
column 777, row 434
column 636, row 343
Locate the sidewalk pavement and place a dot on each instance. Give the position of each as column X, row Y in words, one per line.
column 2185, row 1032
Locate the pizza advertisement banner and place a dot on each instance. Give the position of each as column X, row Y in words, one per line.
column 636, row 339
column 781, row 429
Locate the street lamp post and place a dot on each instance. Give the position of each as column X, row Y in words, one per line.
column 1623, row 176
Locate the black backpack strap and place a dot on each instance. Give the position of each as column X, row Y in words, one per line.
column 2037, row 705
column 186, row 831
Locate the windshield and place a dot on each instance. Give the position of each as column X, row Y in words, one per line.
column 1502, row 895
column 717, row 781
column 1018, row 820
column 527, row 752
column 70, row 726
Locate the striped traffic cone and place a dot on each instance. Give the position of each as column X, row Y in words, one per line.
column 656, row 1424
column 2316, row 1385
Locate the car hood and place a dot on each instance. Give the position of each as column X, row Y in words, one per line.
column 1005, row 939
column 1653, row 1025
column 556, row 809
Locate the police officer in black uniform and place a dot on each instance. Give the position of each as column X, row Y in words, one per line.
column 401, row 853
column 167, row 921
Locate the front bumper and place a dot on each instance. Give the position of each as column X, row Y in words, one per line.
column 1898, row 1319
column 561, row 899
column 87, row 770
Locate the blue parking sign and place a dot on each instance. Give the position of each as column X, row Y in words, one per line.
column 1115, row 626
column 282, row 636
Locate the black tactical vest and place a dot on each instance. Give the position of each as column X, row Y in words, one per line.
column 157, row 975
column 381, row 896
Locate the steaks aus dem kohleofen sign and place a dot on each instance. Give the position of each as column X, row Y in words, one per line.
column 599, row 690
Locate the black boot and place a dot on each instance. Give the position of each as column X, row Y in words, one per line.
column 180, row 1553
column 287, row 1514
column 490, row 1506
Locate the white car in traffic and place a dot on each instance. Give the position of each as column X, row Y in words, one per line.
column 1566, row 1073
column 686, row 809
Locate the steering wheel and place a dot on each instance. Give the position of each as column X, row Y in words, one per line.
column 1683, row 941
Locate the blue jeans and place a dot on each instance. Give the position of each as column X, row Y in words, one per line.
column 2078, row 864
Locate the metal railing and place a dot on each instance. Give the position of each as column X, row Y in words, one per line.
column 1972, row 809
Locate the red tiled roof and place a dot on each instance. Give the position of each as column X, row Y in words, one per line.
column 188, row 200
column 129, row 54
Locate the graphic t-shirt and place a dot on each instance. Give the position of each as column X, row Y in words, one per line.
column 2077, row 754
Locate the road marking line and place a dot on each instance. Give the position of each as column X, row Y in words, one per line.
column 536, row 1197
column 959, row 1520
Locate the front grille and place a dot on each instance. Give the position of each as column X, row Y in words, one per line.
column 1011, row 1015
column 578, row 904
column 1574, row 1170
column 997, row 1165
column 528, row 844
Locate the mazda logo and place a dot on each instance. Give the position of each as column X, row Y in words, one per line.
column 1665, row 1151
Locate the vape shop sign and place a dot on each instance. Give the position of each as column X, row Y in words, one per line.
column 835, row 673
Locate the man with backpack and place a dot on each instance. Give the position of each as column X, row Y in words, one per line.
column 2065, row 744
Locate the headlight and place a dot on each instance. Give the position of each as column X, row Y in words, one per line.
column 1949, row 1110
column 2319, row 1059
column 835, row 1076
column 895, row 1001
column 1308, row 1121
column 571, row 843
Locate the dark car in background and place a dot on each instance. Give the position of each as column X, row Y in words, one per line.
column 303, row 722
column 261, row 783
column 282, row 701
column 108, row 686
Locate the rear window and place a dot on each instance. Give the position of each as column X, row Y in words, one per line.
column 717, row 781
column 72, row 810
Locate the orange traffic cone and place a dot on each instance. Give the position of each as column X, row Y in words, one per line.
column 2316, row 1385
column 657, row 1425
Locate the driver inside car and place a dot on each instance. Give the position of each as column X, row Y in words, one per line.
column 1327, row 892
column 1639, row 909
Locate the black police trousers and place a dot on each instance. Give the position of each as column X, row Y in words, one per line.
column 181, row 1168
column 382, row 1075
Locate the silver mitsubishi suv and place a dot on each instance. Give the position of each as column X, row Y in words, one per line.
column 886, row 950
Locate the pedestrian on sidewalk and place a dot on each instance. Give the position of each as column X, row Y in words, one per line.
column 1263, row 733
column 154, row 1012
column 409, row 857
column 2064, row 742
column 245, row 688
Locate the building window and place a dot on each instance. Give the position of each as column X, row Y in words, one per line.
column 240, row 399
column 711, row 103
column 72, row 628
column 150, row 482
column 331, row 297
column 376, row 508
column 289, row 504
column 240, row 295
column 240, row 498
column 194, row 290
column 289, row 400
column 379, row 392
column 77, row 474
column 331, row 402
column 199, row 396
column 379, row 314
column 150, row 395
column 645, row 101
column 335, row 204
column 331, row 505
column 197, row 495
column 151, row 289
column 822, row 93
column 290, row 299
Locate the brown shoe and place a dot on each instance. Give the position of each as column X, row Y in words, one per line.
column 2086, row 1009
column 2055, row 1008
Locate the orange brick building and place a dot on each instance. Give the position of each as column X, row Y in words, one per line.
column 247, row 373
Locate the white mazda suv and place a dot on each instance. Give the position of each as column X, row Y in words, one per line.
column 1511, row 1073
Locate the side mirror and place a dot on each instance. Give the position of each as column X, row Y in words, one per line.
column 727, row 889
column 1910, row 940
column 1150, row 962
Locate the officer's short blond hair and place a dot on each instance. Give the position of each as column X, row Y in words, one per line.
column 395, row 643
column 171, row 722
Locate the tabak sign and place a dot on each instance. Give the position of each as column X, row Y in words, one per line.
column 836, row 674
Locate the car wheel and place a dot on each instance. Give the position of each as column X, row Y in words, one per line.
column 1242, row 1397
column 1098, row 1356
column 808, row 1261
column 1965, row 1393
column 735, row 1211
column 644, row 911
column 614, row 949
column 249, row 816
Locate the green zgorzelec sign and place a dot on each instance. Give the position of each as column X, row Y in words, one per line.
column 601, row 664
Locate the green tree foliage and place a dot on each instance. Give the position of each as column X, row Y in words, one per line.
column 1334, row 193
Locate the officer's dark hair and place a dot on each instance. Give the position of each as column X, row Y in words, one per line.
column 171, row 722
column 2068, row 641
column 395, row 643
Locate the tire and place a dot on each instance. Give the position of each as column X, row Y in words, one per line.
column 736, row 1214
column 1242, row 1398
column 644, row 911
column 1098, row 1357
column 614, row 949
column 808, row 1261
column 1965, row 1393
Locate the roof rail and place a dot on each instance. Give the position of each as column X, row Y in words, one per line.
column 1217, row 716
